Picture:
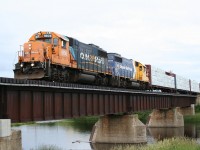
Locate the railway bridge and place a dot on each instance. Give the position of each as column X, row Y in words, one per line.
column 34, row 100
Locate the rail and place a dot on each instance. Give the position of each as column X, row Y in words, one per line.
column 49, row 84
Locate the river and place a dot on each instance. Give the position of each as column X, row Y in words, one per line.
column 76, row 136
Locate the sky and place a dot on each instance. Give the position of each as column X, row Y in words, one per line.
column 165, row 34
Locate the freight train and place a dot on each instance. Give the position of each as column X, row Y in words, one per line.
column 55, row 57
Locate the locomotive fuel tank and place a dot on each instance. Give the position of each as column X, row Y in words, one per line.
column 135, row 84
column 86, row 78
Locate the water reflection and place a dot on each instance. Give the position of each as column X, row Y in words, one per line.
column 64, row 137
column 153, row 135
column 190, row 130
column 193, row 131
column 71, row 135
column 162, row 133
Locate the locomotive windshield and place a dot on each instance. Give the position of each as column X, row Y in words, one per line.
column 43, row 37
column 44, row 40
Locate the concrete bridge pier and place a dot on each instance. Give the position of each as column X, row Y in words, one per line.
column 119, row 129
column 186, row 110
column 9, row 139
column 198, row 100
column 166, row 118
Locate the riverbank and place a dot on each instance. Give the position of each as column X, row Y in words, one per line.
column 90, row 121
column 167, row 144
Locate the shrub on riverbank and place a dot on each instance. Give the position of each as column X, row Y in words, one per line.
column 193, row 118
column 21, row 124
column 197, row 109
column 143, row 116
column 167, row 144
column 81, row 124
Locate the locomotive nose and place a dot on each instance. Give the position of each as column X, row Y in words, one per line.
column 33, row 52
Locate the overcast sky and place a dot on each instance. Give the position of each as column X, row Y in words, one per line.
column 163, row 33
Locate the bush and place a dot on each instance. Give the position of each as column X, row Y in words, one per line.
column 197, row 108
column 143, row 116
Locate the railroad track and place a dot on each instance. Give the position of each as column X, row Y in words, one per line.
column 49, row 84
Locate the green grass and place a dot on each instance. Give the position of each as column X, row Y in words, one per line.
column 193, row 118
column 197, row 108
column 46, row 147
column 81, row 124
column 143, row 116
column 21, row 124
column 82, row 120
column 167, row 144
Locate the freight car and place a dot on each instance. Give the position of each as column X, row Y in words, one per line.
column 55, row 57
column 170, row 82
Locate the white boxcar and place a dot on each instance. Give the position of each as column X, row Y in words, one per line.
column 195, row 86
column 160, row 78
column 182, row 83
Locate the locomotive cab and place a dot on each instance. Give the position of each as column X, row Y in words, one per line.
column 141, row 72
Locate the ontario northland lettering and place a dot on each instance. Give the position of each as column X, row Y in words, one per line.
column 92, row 58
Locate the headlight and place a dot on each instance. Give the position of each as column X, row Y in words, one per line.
column 30, row 48
column 29, row 45
column 21, row 65
column 32, row 64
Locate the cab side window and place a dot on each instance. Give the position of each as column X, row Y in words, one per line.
column 140, row 68
column 144, row 69
column 63, row 44
column 136, row 64
column 55, row 41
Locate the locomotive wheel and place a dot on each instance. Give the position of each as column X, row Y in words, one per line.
column 123, row 83
column 105, row 81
